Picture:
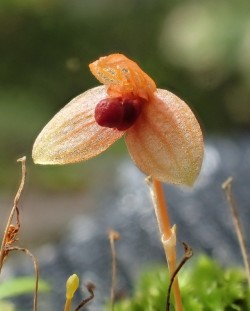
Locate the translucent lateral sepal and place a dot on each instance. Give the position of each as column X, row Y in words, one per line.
column 73, row 134
column 166, row 141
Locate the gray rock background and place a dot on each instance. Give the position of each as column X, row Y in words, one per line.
column 202, row 216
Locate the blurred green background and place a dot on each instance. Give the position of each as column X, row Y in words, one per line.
column 199, row 50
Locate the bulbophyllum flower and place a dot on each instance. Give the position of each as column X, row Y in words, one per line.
column 163, row 137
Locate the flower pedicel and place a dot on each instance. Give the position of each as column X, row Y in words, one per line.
column 163, row 136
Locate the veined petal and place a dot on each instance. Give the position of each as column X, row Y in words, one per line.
column 166, row 142
column 73, row 134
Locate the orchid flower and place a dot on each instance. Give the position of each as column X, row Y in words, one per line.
column 163, row 137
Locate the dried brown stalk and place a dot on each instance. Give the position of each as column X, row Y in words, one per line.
column 227, row 187
column 12, row 230
column 90, row 287
column 113, row 236
column 188, row 254
column 35, row 263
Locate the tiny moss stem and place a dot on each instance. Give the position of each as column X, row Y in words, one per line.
column 113, row 236
column 167, row 233
column 188, row 254
column 227, row 187
column 67, row 305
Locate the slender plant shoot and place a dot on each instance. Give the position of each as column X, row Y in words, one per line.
column 227, row 187
column 113, row 236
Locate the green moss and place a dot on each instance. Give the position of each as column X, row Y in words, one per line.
column 205, row 286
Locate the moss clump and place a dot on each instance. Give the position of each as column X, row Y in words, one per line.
column 205, row 286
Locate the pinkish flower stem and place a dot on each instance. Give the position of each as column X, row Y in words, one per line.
column 167, row 233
